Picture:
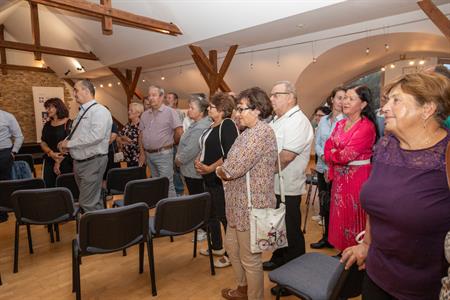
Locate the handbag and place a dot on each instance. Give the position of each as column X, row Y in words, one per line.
column 267, row 225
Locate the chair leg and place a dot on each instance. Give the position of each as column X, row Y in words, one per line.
column 279, row 293
column 211, row 262
column 308, row 201
column 151, row 263
column 78, row 284
column 124, row 252
column 57, row 231
column 73, row 267
column 171, row 239
column 52, row 237
column 16, row 249
column 30, row 241
column 1, row 279
column 141, row 257
column 195, row 243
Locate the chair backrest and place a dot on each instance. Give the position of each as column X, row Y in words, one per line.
column 110, row 230
column 43, row 206
column 68, row 181
column 7, row 187
column 150, row 191
column 117, row 178
column 29, row 159
column 183, row 214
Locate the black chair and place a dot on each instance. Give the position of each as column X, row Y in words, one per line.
column 68, row 181
column 178, row 216
column 110, row 230
column 311, row 180
column 7, row 187
column 40, row 207
column 149, row 191
column 313, row 276
column 117, row 178
column 27, row 158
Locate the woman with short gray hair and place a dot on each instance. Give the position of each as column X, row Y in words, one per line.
column 189, row 147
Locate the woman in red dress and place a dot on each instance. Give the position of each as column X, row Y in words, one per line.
column 347, row 153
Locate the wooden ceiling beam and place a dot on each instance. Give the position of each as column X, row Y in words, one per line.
column 436, row 16
column 129, row 84
column 26, row 68
column 107, row 21
column 47, row 50
column 3, row 50
column 118, row 16
column 35, row 31
column 69, row 81
column 208, row 67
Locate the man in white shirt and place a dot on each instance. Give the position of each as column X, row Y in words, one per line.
column 294, row 136
column 11, row 139
column 88, row 145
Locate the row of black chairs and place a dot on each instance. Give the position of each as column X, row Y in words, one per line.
column 30, row 201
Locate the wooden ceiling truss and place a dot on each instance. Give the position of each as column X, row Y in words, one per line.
column 208, row 67
column 436, row 16
column 129, row 83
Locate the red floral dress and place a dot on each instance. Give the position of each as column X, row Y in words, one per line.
column 347, row 217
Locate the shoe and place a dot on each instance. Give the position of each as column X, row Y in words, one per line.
column 283, row 293
column 205, row 252
column 316, row 218
column 201, row 235
column 269, row 266
column 222, row 262
column 238, row 294
column 323, row 243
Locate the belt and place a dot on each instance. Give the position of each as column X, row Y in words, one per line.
column 359, row 162
column 168, row 147
column 89, row 158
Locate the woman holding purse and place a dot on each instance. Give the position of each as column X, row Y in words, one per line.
column 255, row 152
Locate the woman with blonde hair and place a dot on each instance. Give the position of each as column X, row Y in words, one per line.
column 128, row 136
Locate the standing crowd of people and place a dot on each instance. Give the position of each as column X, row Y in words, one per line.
column 389, row 183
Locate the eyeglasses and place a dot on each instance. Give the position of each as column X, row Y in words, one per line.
column 276, row 94
column 320, row 115
column 241, row 109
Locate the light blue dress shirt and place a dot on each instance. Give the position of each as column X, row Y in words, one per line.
column 324, row 130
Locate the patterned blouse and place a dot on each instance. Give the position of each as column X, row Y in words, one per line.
column 131, row 152
column 255, row 151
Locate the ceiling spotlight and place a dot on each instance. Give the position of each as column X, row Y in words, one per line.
column 411, row 63
column 67, row 72
column 383, row 69
column 110, row 84
column 314, row 60
column 163, row 78
column 386, row 47
column 143, row 80
column 101, row 85
column 421, row 62
column 392, row 66
column 118, row 82
column 367, row 50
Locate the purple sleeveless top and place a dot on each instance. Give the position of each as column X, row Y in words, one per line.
column 408, row 201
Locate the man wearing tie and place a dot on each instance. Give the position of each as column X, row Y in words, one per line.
column 88, row 145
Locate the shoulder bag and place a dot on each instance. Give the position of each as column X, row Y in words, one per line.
column 267, row 225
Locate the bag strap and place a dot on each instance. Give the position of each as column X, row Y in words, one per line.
column 249, row 194
column 447, row 164
column 220, row 133
column 78, row 123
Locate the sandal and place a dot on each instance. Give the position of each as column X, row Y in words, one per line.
column 238, row 294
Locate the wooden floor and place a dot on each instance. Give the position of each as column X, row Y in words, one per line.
column 47, row 274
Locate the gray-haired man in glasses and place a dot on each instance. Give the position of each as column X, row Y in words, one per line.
column 294, row 137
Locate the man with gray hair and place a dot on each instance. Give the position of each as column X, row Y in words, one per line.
column 294, row 136
column 88, row 144
column 160, row 129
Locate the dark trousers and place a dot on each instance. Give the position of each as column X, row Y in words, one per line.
column 295, row 238
column 324, row 186
column 194, row 185
column 217, row 215
column 49, row 174
column 6, row 162
column 371, row 291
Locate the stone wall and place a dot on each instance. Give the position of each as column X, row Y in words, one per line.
column 16, row 97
